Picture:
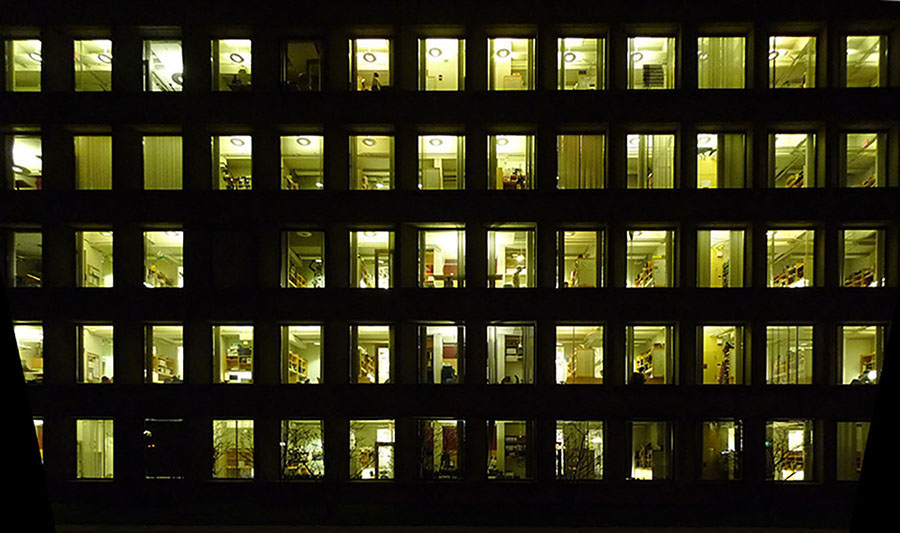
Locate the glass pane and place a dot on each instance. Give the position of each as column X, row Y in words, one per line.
column 720, row 258
column 651, row 62
column 722, row 450
column 723, row 355
column 163, row 259
column 720, row 62
column 371, row 259
column 95, row 258
column 231, row 64
column 851, row 444
column 721, row 160
column 165, row 449
column 370, row 64
column 579, row 354
column 509, row 449
column 581, row 161
column 232, row 354
column 864, row 60
column 440, row 447
column 650, row 355
column 370, row 360
column 442, row 162
column 94, row 449
column 510, row 354
column 789, row 355
column 23, row 65
column 651, row 161
column 95, row 354
column 93, row 162
column 581, row 251
column 302, row 162
column 651, row 448
column 162, row 162
column 863, row 261
column 371, row 449
column 232, row 162
column 304, row 265
column 232, row 451
column 30, row 342
column 442, row 64
column 791, row 259
column 511, row 64
column 302, row 66
column 862, row 354
column 648, row 258
column 582, row 64
column 792, row 62
column 163, row 66
column 301, row 354
column 789, row 450
column 302, row 453
column 28, row 264
column 442, row 258
column 442, row 350
column 27, row 164
column 93, row 65
column 511, row 159
column 371, row 162
column 794, row 157
column 579, row 450
column 865, row 163
column 510, row 258
column 39, row 434
column 166, row 363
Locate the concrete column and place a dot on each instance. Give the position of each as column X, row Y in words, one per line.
column 618, row 59
column 269, row 256
column 337, row 158
column 614, row 367
column 687, row 354
column 476, row 447
column 617, row 460
column 406, row 158
column 337, row 63
column 406, row 353
column 58, row 256
column 337, row 256
column 405, row 450
column 127, row 159
column 266, row 352
column 128, row 256
column 546, row 155
column 128, row 352
column 544, row 455
column 266, row 63
column 266, row 447
column 128, row 441
column 476, row 59
column 266, row 156
column 545, row 354
column 59, row 352
column 336, row 360
column 337, row 449
column 197, row 65
column 198, row 352
column 476, row 352
column 406, row 60
column 688, row 58
column 58, row 156
column 127, row 72
column 58, row 66
column 476, row 157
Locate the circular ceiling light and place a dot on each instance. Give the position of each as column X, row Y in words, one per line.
column 369, row 233
column 503, row 52
column 104, row 58
column 368, row 141
column 637, row 56
column 435, row 52
column 303, row 141
column 35, row 56
column 520, row 258
column 502, row 141
column 236, row 57
column 773, row 54
column 435, row 142
column 319, row 184
column 570, row 234
column 569, row 57
column 19, row 169
column 635, row 139
column 304, row 234
column 237, row 141
column 379, row 186
column 369, row 57
column 701, row 55
column 178, row 78
column 704, row 139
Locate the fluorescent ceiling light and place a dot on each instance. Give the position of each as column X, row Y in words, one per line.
column 369, row 57
column 104, row 58
column 503, row 52
column 35, row 56
column 303, row 141
column 435, row 52
column 236, row 57
column 368, row 141
column 237, row 141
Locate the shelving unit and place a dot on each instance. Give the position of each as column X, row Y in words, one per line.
column 367, row 367
column 645, row 278
column 861, row 278
column 791, row 275
column 298, row 368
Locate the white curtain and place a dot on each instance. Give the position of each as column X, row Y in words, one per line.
column 93, row 162
column 162, row 162
column 581, row 161
column 662, row 155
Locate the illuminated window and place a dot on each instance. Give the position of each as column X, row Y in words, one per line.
column 793, row 160
column 231, row 65
column 864, row 163
column 791, row 257
column 39, row 434
column 651, row 450
column 511, row 258
column 440, row 449
column 651, row 161
column 95, row 354
column 442, row 64
column 165, row 354
column 851, row 448
column 30, row 341
column 509, row 449
column 581, row 161
column 863, row 258
column 650, row 258
column 371, row 259
column 301, row 349
column 162, row 162
column 371, row 354
column 792, row 62
column 232, row 354
column 93, row 162
column 581, row 258
column 371, row 162
column 579, row 354
column 651, row 359
column 93, row 65
column 579, row 450
column 582, row 63
column 789, row 450
column 511, row 160
column 723, row 447
column 23, row 60
column 371, row 449
column 510, row 64
column 442, row 163
column 303, row 259
column 861, row 351
column 651, row 62
column 442, row 350
column 442, row 255
column 789, row 355
column 302, row 453
column 866, row 60
column 163, row 259
column 165, row 449
column 302, row 162
column 163, row 66
column 510, row 354
column 27, row 268
column 721, row 160
column 720, row 258
column 370, row 64
column 27, row 163
column 232, row 451
column 722, row 349
column 302, row 68
column 720, row 62
column 94, row 449
column 94, row 252
column 232, row 162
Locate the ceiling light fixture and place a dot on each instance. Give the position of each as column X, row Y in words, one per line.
column 303, row 141
column 104, row 58
column 502, row 141
column 369, row 233
column 236, row 57
column 35, row 56
column 435, row 52
column 19, row 169
column 379, row 186
column 178, row 78
column 570, row 234
column 569, row 57
column 237, row 141
column 704, row 139
column 435, row 142
column 701, row 55
column 319, row 184
column 503, row 52
column 773, row 54
column 635, row 139
column 369, row 57
column 637, row 56
column 368, row 141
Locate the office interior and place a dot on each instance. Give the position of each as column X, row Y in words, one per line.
column 720, row 258
column 512, row 159
column 304, row 265
column 651, row 62
column 163, row 66
column 651, row 161
column 373, row 266
column 94, row 267
column 509, row 449
column 23, row 65
column 442, row 258
column 95, row 354
column 370, row 64
column 790, row 257
column 39, row 434
column 302, row 67
column 792, row 62
column 302, row 162
column 302, row 349
column 721, row 62
column 163, row 162
column 164, row 446
column 861, row 352
column 442, row 64
column 651, row 448
column 793, row 160
column 442, row 162
column 650, row 355
column 371, row 162
column 722, row 444
column 865, row 56
column 163, row 259
column 789, row 355
column 579, row 354
column 232, row 354
column 581, row 63
column 442, row 354
column 165, row 350
column 580, row 265
column 648, row 258
column 93, row 65
column 232, row 451
column 851, row 448
column 510, row 354
column 579, row 450
column 24, row 258
column 30, row 342
column 232, row 162
column 27, row 161
column 93, row 162
column 371, row 449
column 440, row 447
column 371, row 359
column 723, row 355
column 864, row 161
column 789, row 450
column 721, row 160
column 511, row 64
column 862, row 253
column 302, row 453
column 511, row 258
column 94, row 449
column 232, row 64
column 581, row 161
